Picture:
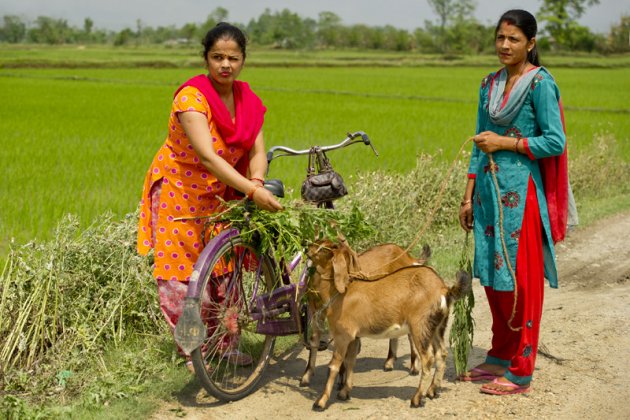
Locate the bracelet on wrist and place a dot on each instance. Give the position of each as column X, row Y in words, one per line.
column 464, row 202
column 518, row 140
column 262, row 181
column 250, row 193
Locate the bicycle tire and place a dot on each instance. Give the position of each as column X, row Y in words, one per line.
column 219, row 375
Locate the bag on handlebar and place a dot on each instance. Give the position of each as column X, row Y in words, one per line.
column 322, row 183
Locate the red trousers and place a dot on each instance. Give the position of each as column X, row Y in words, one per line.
column 516, row 350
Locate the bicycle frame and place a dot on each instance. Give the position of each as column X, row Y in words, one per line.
column 190, row 331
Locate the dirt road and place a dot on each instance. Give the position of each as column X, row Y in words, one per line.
column 585, row 327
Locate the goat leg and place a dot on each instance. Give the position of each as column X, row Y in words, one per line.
column 440, row 361
column 349, row 362
column 426, row 362
column 414, row 358
column 391, row 355
column 316, row 319
column 333, row 370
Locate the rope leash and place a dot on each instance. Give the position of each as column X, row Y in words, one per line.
column 438, row 203
column 503, row 245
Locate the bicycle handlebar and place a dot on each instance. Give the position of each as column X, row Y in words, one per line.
column 351, row 138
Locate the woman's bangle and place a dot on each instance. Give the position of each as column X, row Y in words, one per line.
column 262, row 181
column 518, row 140
column 463, row 203
column 250, row 193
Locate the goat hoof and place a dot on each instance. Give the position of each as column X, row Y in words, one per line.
column 343, row 396
column 433, row 394
column 418, row 404
column 318, row 408
column 304, row 384
column 414, row 372
column 388, row 368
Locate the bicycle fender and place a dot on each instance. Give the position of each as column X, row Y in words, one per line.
column 205, row 258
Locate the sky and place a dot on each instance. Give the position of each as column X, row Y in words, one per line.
column 404, row 14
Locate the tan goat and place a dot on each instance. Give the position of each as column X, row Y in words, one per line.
column 378, row 260
column 412, row 300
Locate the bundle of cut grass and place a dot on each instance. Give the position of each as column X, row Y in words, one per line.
column 285, row 233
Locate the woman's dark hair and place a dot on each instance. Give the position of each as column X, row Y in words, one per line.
column 224, row 30
column 526, row 22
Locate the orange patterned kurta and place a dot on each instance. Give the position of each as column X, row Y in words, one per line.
column 188, row 190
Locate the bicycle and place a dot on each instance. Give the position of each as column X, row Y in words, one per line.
column 254, row 303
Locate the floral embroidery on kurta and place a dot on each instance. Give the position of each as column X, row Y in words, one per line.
column 498, row 261
column 510, row 199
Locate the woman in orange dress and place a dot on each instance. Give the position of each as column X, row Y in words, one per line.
column 214, row 147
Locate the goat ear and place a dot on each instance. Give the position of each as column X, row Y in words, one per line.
column 353, row 260
column 340, row 270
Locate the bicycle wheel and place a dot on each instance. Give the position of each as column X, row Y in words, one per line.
column 234, row 356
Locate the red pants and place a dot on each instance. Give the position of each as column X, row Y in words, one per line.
column 516, row 350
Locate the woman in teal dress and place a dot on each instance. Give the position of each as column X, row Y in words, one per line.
column 519, row 146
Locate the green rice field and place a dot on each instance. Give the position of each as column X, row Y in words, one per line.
column 79, row 140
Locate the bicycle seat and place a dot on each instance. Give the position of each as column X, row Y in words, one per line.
column 275, row 186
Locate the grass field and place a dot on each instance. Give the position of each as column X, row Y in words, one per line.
column 79, row 140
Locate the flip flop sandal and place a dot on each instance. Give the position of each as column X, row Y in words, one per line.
column 481, row 375
column 513, row 388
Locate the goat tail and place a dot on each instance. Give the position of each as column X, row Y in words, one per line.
column 461, row 288
column 426, row 255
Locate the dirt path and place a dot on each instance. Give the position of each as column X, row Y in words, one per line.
column 586, row 324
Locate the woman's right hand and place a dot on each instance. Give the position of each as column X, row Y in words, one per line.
column 466, row 215
column 265, row 200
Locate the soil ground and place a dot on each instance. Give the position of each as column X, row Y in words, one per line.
column 584, row 375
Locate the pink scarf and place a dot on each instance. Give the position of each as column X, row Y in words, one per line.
column 250, row 114
column 555, row 175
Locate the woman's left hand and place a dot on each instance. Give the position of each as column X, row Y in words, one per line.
column 489, row 142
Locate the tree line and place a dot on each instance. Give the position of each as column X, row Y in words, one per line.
column 455, row 31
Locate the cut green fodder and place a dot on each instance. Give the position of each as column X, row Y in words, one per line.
column 463, row 327
column 285, row 233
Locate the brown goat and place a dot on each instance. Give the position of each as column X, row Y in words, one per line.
column 412, row 300
column 379, row 260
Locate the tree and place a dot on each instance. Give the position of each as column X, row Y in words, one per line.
column 188, row 31
column 619, row 37
column 560, row 22
column 329, row 29
column 13, row 30
column 450, row 12
column 219, row 14
column 50, row 31
column 124, row 37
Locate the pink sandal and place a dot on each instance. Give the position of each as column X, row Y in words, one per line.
column 513, row 388
column 482, row 375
